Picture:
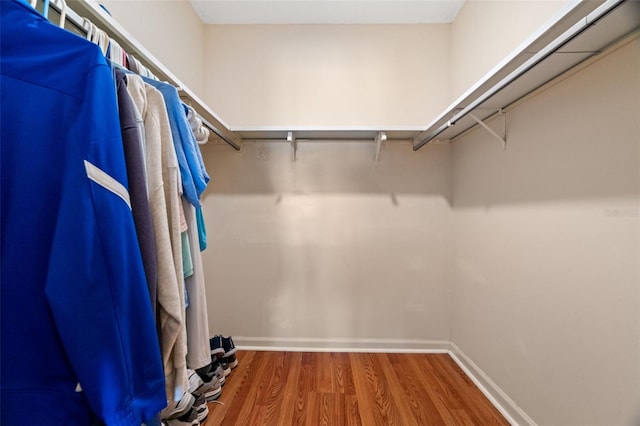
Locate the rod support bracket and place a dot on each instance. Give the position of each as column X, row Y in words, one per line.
column 502, row 138
column 380, row 137
column 291, row 138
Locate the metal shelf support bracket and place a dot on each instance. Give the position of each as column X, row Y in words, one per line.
column 291, row 138
column 493, row 133
column 380, row 137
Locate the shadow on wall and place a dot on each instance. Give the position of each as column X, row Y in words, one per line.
column 329, row 167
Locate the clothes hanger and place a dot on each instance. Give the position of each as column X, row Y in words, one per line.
column 88, row 25
column 63, row 13
column 45, row 7
column 115, row 53
column 45, row 10
column 96, row 36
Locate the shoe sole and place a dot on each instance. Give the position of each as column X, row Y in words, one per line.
column 233, row 365
column 202, row 415
column 212, row 396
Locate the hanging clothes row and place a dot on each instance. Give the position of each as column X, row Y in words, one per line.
column 101, row 233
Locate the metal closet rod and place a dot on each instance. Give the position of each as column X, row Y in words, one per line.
column 312, row 139
column 78, row 22
column 547, row 51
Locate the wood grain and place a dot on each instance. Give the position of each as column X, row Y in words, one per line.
column 294, row 388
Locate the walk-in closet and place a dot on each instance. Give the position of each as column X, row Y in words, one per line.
column 320, row 212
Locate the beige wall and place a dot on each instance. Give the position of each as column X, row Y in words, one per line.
column 331, row 75
column 546, row 296
column 486, row 31
column 326, row 75
column 170, row 30
column 332, row 246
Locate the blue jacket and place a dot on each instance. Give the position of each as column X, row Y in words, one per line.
column 77, row 333
column 192, row 171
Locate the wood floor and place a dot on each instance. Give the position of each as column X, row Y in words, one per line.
column 294, row 388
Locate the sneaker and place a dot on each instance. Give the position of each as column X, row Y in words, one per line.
column 195, row 381
column 215, row 344
column 210, row 389
column 232, row 361
column 180, row 422
column 218, row 365
column 177, row 409
column 228, row 346
column 201, row 408
column 188, row 419
column 208, row 385
column 218, row 371
column 204, row 371
column 224, row 366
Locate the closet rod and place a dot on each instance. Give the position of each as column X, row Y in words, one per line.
column 94, row 12
column 460, row 111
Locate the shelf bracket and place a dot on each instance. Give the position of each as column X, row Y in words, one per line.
column 291, row 138
column 380, row 137
column 502, row 138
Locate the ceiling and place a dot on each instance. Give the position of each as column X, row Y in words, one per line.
column 326, row 11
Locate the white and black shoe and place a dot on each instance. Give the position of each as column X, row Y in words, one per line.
column 215, row 345
column 231, row 361
column 190, row 418
column 177, row 409
column 218, row 371
column 222, row 365
column 228, row 346
column 210, row 389
column 201, row 408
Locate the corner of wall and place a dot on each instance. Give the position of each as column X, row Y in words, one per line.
column 505, row 405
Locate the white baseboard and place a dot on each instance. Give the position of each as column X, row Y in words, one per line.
column 507, row 407
column 340, row 345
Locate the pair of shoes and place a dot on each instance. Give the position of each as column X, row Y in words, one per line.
column 215, row 345
column 210, row 389
column 177, row 409
column 231, row 361
column 223, row 346
column 189, row 411
column 201, row 408
column 215, row 369
column 220, row 365
column 190, row 418
column 220, row 370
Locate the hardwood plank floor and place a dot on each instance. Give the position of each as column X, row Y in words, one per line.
column 295, row 388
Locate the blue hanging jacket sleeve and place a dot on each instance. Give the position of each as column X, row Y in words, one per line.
column 78, row 337
column 96, row 279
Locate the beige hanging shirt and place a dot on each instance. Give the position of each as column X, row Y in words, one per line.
column 164, row 200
